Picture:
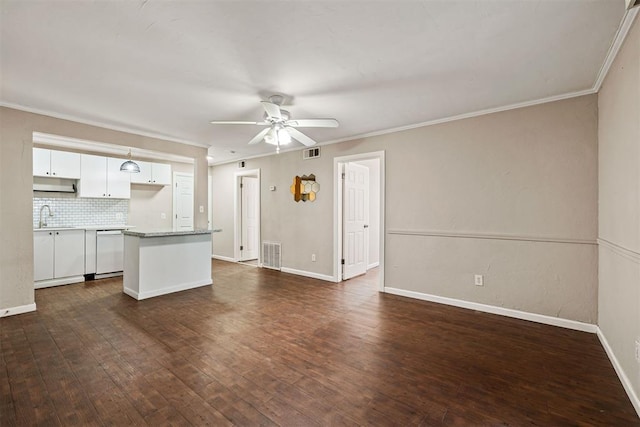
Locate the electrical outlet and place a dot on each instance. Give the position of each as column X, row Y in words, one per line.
column 479, row 280
column 313, row 257
column 119, row 215
column 163, row 215
column 638, row 351
column 201, row 209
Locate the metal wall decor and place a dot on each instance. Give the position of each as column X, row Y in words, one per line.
column 304, row 188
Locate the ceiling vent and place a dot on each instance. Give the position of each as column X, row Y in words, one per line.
column 312, row 153
column 632, row 3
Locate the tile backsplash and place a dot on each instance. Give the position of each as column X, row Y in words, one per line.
column 72, row 212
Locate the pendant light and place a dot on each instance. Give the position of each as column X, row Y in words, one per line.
column 130, row 166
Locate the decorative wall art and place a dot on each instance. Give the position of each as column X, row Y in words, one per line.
column 304, row 188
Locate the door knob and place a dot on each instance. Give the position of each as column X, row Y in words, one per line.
column 366, row 226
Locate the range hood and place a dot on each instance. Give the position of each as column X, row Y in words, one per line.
column 54, row 188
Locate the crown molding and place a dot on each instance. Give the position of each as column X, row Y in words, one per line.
column 98, row 124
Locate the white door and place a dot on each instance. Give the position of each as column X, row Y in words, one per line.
column 183, row 201
column 249, row 218
column 355, row 222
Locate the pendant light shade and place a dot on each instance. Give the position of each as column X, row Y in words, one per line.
column 130, row 166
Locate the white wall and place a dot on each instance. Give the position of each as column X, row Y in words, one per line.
column 619, row 207
column 511, row 195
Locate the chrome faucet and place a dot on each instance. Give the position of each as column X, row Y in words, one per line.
column 44, row 223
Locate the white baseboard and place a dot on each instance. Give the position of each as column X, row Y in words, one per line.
column 373, row 265
column 12, row 311
column 533, row 317
column 223, row 258
column 308, row 274
column 618, row 368
column 164, row 291
column 57, row 282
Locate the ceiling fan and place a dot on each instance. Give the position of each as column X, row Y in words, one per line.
column 280, row 128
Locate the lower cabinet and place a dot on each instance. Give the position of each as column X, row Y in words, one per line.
column 58, row 254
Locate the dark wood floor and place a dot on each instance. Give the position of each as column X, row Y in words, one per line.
column 266, row 348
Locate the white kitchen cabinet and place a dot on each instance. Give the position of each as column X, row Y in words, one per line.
column 57, row 164
column 58, row 254
column 152, row 173
column 42, row 255
column 101, row 177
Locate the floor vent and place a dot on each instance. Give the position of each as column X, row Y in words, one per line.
column 271, row 257
column 311, row 153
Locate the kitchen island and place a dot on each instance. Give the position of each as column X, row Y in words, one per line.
column 159, row 262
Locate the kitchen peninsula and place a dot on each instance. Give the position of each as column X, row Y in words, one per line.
column 159, row 262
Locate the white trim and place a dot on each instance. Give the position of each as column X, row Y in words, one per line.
column 164, row 291
column 618, row 368
column 311, row 274
column 523, row 315
column 620, row 250
column 492, row 236
column 50, row 140
column 98, row 124
column 337, row 211
column 621, row 35
column 12, row 311
column 373, row 265
column 57, row 282
column 223, row 258
column 237, row 234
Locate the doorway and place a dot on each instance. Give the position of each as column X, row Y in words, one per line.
column 247, row 216
column 182, row 201
column 359, row 215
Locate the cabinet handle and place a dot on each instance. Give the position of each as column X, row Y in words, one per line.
column 109, row 195
column 57, row 233
column 50, row 233
column 103, row 194
column 47, row 173
column 53, row 173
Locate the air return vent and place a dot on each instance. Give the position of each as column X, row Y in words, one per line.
column 632, row 3
column 271, row 257
column 311, row 153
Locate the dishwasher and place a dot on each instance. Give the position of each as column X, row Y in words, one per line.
column 109, row 251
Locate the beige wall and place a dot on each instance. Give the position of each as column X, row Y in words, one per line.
column 148, row 202
column 525, row 178
column 16, row 234
column 619, row 206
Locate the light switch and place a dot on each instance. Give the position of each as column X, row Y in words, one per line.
column 201, row 209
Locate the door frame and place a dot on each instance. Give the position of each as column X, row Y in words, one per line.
column 237, row 235
column 175, row 198
column 338, row 163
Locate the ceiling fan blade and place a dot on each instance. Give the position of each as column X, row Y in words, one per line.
column 259, row 137
column 227, row 122
column 304, row 139
column 313, row 123
column 272, row 109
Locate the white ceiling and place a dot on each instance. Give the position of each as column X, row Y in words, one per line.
column 167, row 68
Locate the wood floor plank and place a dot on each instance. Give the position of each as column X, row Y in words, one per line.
column 261, row 347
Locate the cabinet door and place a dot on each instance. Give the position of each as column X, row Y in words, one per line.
column 65, row 164
column 144, row 177
column 161, row 174
column 42, row 255
column 68, row 253
column 41, row 162
column 93, row 176
column 118, row 182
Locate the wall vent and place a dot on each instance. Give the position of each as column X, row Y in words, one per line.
column 271, row 255
column 311, row 153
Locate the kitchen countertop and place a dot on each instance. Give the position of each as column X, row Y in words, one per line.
column 87, row 227
column 163, row 233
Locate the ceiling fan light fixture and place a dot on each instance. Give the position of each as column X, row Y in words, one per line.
column 271, row 137
column 284, row 137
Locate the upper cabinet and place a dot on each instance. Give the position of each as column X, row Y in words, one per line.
column 57, row 164
column 152, row 173
column 101, row 177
